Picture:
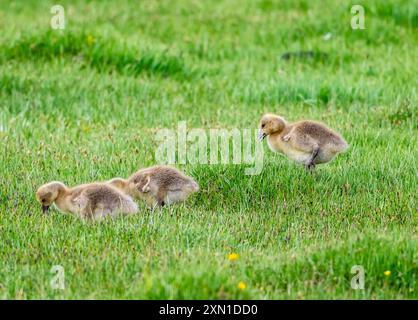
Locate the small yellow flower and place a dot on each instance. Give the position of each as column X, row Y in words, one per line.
column 241, row 285
column 90, row 40
column 233, row 256
column 387, row 273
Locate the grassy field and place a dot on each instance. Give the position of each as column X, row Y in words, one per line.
column 82, row 104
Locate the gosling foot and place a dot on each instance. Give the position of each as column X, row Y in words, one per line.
column 310, row 167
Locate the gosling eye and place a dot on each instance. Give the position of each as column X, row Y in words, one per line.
column 43, row 200
column 263, row 125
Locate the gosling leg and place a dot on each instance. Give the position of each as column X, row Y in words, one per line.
column 311, row 163
column 161, row 196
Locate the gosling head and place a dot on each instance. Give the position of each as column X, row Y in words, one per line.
column 269, row 124
column 48, row 193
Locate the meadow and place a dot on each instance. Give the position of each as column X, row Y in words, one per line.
column 83, row 104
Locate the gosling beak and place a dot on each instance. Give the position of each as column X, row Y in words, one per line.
column 261, row 135
column 45, row 209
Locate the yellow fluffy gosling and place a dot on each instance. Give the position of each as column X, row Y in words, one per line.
column 94, row 201
column 157, row 185
column 306, row 142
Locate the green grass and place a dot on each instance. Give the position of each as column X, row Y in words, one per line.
column 78, row 110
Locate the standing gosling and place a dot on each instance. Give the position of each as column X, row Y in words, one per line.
column 157, row 185
column 93, row 201
column 306, row 142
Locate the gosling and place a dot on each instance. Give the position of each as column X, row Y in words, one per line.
column 306, row 142
column 157, row 185
column 91, row 201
